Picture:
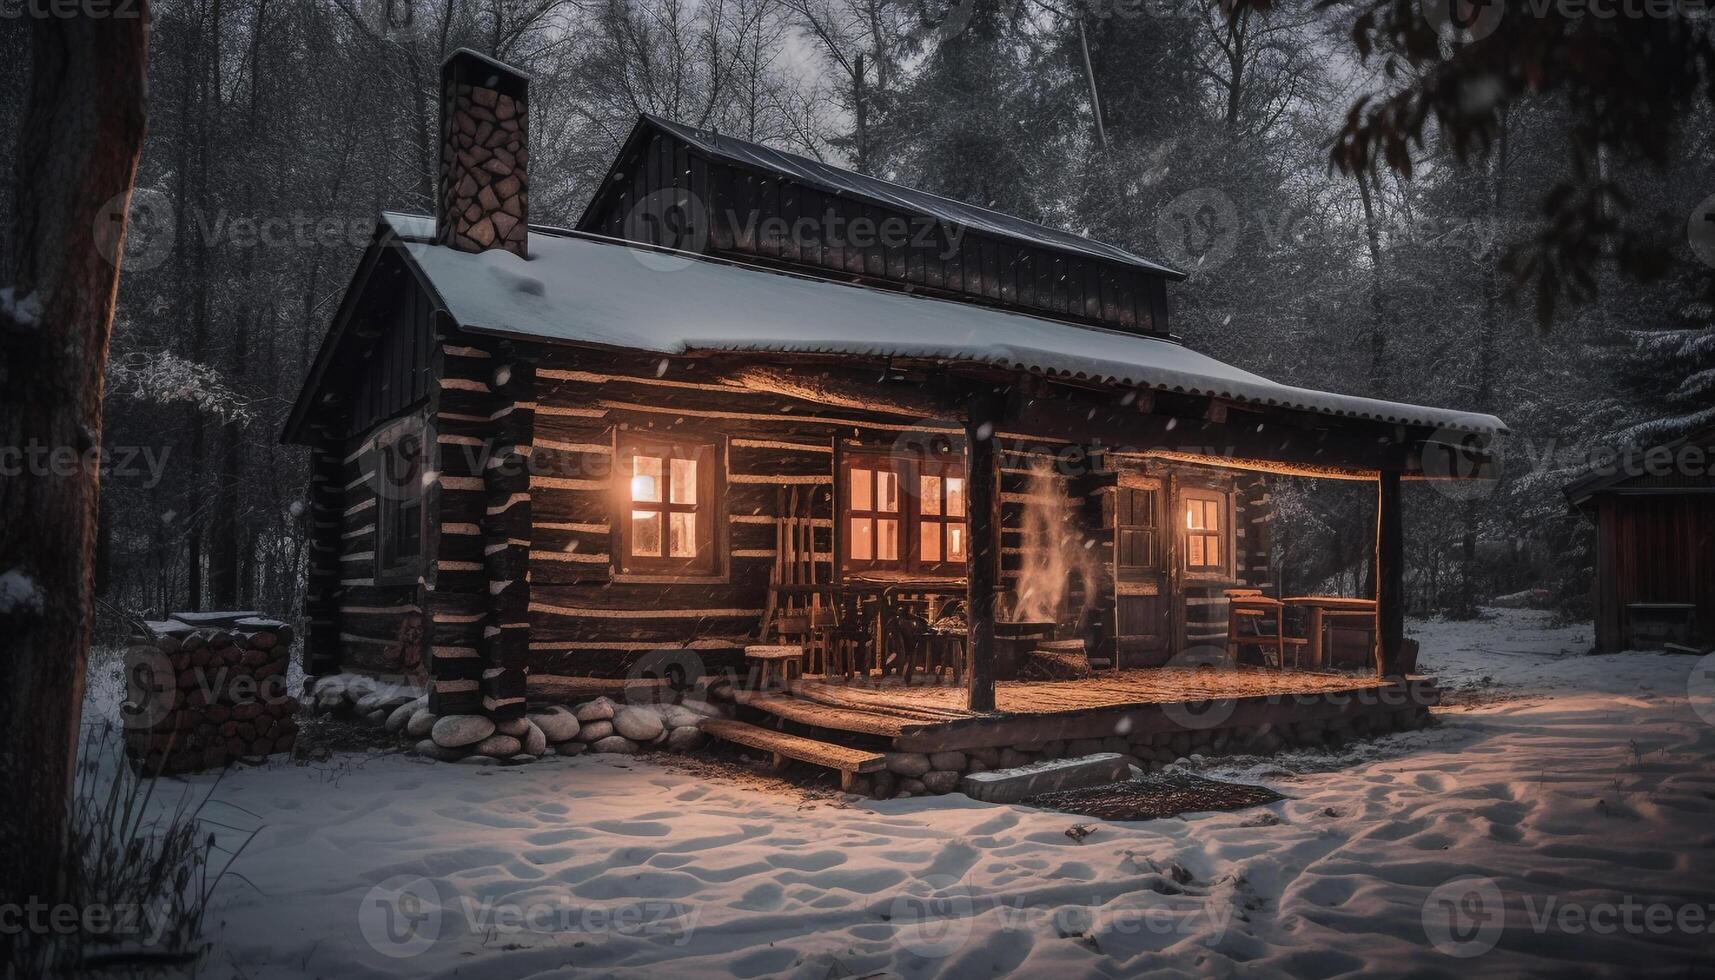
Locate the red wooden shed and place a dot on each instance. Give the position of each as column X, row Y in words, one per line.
column 1654, row 510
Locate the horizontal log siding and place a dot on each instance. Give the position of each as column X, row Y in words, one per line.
column 456, row 596
column 1254, row 507
column 322, row 651
column 583, row 622
column 379, row 624
column 506, row 536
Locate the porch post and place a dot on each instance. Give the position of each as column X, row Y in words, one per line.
column 1390, row 576
column 982, row 501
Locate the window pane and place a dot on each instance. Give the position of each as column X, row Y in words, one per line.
column 1202, row 515
column 410, row 531
column 929, row 493
column 1195, row 554
column 956, row 496
column 682, row 537
column 646, row 481
column 929, row 538
column 861, row 486
column 886, row 492
column 684, row 485
column 887, row 540
column 955, row 542
column 646, row 533
column 1212, row 550
column 862, row 546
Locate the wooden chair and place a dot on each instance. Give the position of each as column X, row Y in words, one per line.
column 799, row 614
column 948, row 633
column 1255, row 620
column 840, row 634
column 922, row 647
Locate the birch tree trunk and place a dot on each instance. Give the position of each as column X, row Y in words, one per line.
column 77, row 159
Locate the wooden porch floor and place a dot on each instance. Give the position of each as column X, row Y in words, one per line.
column 935, row 715
column 1152, row 685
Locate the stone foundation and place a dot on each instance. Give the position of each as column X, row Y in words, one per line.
column 600, row 725
column 918, row 774
column 603, row 725
column 207, row 689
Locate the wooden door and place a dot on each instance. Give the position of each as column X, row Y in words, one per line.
column 1202, row 566
column 1141, row 586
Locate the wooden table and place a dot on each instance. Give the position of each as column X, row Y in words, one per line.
column 872, row 593
column 1320, row 607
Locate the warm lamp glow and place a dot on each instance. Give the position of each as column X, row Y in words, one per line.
column 642, row 488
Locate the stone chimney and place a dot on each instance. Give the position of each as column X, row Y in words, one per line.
column 484, row 188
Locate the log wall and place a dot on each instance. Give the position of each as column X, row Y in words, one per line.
column 462, row 409
column 379, row 620
column 517, row 571
column 585, row 619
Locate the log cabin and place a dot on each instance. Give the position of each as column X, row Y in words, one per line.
column 600, row 451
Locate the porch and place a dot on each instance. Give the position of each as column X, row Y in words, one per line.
column 1175, row 707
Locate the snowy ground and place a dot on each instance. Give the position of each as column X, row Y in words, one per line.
column 1577, row 790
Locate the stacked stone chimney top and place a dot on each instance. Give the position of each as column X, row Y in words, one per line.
column 483, row 198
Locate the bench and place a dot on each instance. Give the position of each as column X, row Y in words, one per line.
column 783, row 746
column 1651, row 625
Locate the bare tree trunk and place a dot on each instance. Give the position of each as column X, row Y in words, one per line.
column 1483, row 399
column 1090, row 78
column 76, row 161
column 1378, row 285
column 860, row 115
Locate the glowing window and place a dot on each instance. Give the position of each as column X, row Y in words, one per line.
column 667, row 524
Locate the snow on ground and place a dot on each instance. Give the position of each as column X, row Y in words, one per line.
column 1578, row 791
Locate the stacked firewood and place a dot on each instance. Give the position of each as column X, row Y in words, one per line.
column 1055, row 661
column 206, row 689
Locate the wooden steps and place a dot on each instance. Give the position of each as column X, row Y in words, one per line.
column 819, row 715
column 849, row 762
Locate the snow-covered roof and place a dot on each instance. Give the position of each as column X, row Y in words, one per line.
column 583, row 289
column 847, row 183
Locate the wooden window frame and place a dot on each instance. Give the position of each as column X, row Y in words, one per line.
column 711, row 561
column 908, row 469
column 874, row 463
column 1150, row 532
column 945, row 469
column 1221, row 534
column 399, row 497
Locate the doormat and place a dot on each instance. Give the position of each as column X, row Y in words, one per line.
column 1155, row 795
